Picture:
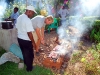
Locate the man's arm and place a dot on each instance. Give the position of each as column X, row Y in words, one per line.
column 67, row 13
column 40, row 34
column 38, row 30
column 59, row 15
column 31, row 38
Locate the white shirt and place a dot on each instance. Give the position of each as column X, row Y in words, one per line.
column 63, row 13
column 38, row 21
column 14, row 16
column 23, row 26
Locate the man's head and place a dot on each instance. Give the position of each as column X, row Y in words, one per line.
column 30, row 10
column 49, row 20
column 63, row 7
column 15, row 9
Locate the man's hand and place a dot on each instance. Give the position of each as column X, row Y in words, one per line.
column 32, row 39
column 42, row 41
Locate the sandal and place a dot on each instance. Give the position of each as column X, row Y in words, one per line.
column 37, row 54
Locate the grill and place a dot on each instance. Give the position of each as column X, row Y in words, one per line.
column 7, row 24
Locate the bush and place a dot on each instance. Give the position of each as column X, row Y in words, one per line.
column 10, row 8
column 85, row 62
column 95, row 32
column 92, row 59
column 21, row 7
column 92, row 23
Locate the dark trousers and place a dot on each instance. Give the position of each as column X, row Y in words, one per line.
column 28, row 52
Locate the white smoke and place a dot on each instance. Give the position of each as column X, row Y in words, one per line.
column 83, row 8
column 90, row 7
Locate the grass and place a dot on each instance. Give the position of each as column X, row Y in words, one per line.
column 85, row 62
column 11, row 68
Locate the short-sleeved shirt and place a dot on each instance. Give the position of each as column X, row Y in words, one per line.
column 14, row 16
column 38, row 21
column 23, row 26
column 63, row 13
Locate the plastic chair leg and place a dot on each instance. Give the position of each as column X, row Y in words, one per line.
column 48, row 30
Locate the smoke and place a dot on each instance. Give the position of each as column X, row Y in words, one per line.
column 90, row 7
column 85, row 8
column 79, row 10
column 2, row 8
column 47, row 5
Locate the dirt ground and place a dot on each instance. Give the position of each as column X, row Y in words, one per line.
column 46, row 49
column 50, row 44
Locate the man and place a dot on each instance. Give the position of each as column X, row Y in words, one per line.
column 25, row 38
column 14, row 16
column 63, row 12
column 39, row 22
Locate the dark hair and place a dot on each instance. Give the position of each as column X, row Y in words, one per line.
column 16, row 8
column 65, row 6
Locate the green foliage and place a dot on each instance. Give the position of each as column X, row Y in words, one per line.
column 10, row 68
column 75, row 57
column 11, row 6
column 2, row 51
column 21, row 7
column 92, row 23
column 98, row 47
column 95, row 32
column 61, row 1
column 92, row 59
column 89, row 60
column 89, row 19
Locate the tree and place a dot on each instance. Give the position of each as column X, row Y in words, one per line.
column 8, row 1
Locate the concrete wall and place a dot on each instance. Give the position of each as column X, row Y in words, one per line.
column 7, row 37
